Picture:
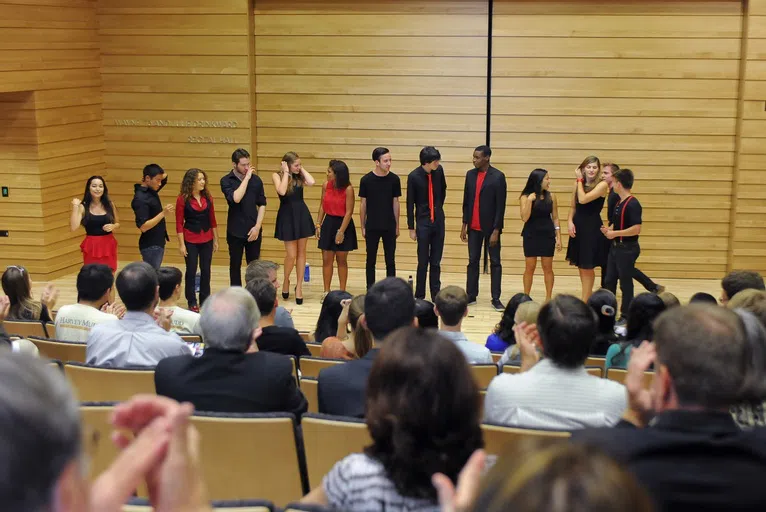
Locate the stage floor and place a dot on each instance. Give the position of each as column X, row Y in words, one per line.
column 481, row 319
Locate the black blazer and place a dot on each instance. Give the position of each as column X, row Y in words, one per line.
column 342, row 387
column 691, row 460
column 226, row 381
column 491, row 200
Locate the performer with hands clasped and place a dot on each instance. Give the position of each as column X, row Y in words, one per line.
column 98, row 215
column 294, row 224
column 150, row 215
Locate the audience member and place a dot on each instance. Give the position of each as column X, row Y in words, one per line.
column 95, row 283
column 264, row 269
column 503, row 338
column 232, row 375
column 183, row 320
column 678, row 437
column 527, row 312
column 425, row 314
column 750, row 300
column 348, row 345
column 739, row 280
column 423, row 415
column 388, row 305
column 136, row 339
column 752, row 413
column 670, row 300
column 702, row 298
column 17, row 285
column 280, row 340
column 451, row 306
column 604, row 304
column 556, row 392
column 5, row 307
column 641, row 314
column 327, row 323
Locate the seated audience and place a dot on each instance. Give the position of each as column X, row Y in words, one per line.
column 555, row 393
column 17, row 285
column 678, row 437
column 451, row 306
column 750, row 300
column 94, row 288
column 425, row 314
column 183, row 321
column 423, row 415
column 353, row 344
column 388, row 305
column 604, row 304
column 232, row 375
column 332, row 307
column 263, row 269
column 752, row 413
column 280, row 340
column 527, row 312
column 702, row 298
column 739, row 280
column 137, row 339
column 670, row 300
column 5, row 306
column 644, row 308
column 43, row 450
column 502, row 338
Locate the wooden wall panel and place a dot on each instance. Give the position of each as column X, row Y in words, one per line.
column 167, row 64
column 51, row 138
column 652, row 86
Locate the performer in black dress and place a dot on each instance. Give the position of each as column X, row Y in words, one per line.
column 587, row 248
column 294, row 224
column 541, row 232
column 98, row 215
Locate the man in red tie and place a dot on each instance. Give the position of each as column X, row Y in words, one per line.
column 426, row 189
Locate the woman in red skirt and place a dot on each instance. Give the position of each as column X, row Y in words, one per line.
column 98, row 215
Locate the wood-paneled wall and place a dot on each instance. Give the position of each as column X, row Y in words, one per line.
column 51, row 136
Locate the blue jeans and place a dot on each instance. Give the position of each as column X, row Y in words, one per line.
column 153, row 255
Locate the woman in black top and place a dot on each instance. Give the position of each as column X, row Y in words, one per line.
column 541, row 232
column 17, row 285
column 98, row 215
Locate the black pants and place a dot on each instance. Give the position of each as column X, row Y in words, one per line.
column 238, row 245
column 389, row 249
column 477, row 239
column 430, row 249
column 203, row 253
column 621, row 266
column 643, row 279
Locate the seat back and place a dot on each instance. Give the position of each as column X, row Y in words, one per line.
column 483, row 374
column 97, row 431
column 315, row 349
column 496, row 356
column 93, row 384
column 191, row 338
column 310, row 389
column 509, row 368
column 596, row 361
column 306, row 336
column 244, row 455
column 595, row 371
column 25, row 328
column 61, row 350
column 50, row 329
column 619, row 375
column 327, row 439
column 497, row 439
column 311, row 366
column 142, row 505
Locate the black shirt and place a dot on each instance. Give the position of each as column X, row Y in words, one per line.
column 380, row 191
column 244, row 214
column 417, row 196
column 282, row 340
column 627, row 214
column 612, row 201
column 146, row 205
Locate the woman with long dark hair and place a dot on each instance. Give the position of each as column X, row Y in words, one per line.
column 587, row 247
column 17, row 285
column 332, row 307
column 604, row 304
column 643, row 310
column 197, row 234
column 98, row 215
column 335, row 224
column 353, row 340
column 503, row 336
column 541, row 232
column 294, row 225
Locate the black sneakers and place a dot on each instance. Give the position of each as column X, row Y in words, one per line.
column 498, row 305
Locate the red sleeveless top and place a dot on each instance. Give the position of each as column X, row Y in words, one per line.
column 334, row 202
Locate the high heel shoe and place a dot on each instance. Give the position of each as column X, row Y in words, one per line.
column 286, row 295
column 298, row 300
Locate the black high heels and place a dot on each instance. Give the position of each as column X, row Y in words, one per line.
column 298, row 300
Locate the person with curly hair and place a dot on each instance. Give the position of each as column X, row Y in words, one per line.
column 197, row 234
column 423, row 415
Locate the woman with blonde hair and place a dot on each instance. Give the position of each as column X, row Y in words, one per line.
column 587, row 247
column 294, row 224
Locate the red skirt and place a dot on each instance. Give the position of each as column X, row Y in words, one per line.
column 100, row 249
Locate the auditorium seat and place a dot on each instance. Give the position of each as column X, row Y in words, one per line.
column 25, row 328
column 95, row 384
column 315, row 349
column 483, row 374
column 310, row 389
column 311, row 366
column 596, row 361
column 619, row 375
column 496, row 356
column 498, row 438
column 50, row 330
column 595, row 371
column 61, row 350
column 510, row 368
column 97, row 431
column 328, row 439
column 142, row 505
column 191, row 338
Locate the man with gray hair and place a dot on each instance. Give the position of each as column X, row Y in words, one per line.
column 264, row 269
column 232, row 375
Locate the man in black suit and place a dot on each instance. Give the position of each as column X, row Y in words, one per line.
column 232, row 375
column 484, row 197
column 679, row 437
column 388, row 305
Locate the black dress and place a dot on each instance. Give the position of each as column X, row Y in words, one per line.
column 588, row 249
column 538, row 233
column 293, row 218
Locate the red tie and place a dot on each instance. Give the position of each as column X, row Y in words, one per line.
column 431, row 196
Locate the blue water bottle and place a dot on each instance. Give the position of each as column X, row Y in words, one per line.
column 307, row 274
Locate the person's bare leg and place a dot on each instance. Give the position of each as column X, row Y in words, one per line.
column 300, row 265
column 342, row 259
column 548, row 276
column 587, row 277
column 529, row 273
column 327, row 258
column 291, row 249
